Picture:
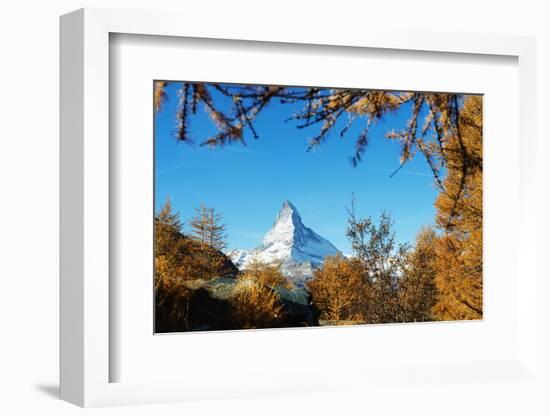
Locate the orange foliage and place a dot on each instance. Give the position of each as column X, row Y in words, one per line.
column 460, row 214
column 339, row 290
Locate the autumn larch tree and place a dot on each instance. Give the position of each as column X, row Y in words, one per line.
column 179, row 260
column 459, row 250
column 207, row 227
column 340, row 290
column 417, row 287
column 266, row 274
column 255, row 303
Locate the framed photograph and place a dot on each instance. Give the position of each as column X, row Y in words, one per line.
column 420, row 259
column 285, row 213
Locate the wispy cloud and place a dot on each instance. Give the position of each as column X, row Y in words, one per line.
column 169, row 169
column 234, row 149
column 402, row 172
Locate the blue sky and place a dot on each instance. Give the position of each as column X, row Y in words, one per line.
column 248, row 184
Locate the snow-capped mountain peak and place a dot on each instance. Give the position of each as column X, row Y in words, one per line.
column 287, row 222
column 289, row 242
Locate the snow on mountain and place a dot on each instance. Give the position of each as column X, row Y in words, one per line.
column 289, row 242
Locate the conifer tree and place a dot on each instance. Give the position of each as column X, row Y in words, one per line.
column 340, row 290
column 207, row 227
column 179, row 258
column 460, row 215
column 168, row 227
column 266, row 274
column 418, row 291
column 255, row 303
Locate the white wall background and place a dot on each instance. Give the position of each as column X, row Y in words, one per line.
column 29, row 57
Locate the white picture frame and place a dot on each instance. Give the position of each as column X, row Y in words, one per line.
column 85, row 212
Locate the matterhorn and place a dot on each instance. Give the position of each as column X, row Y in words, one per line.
column 297, row 248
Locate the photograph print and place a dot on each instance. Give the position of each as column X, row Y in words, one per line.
column 289, row 206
